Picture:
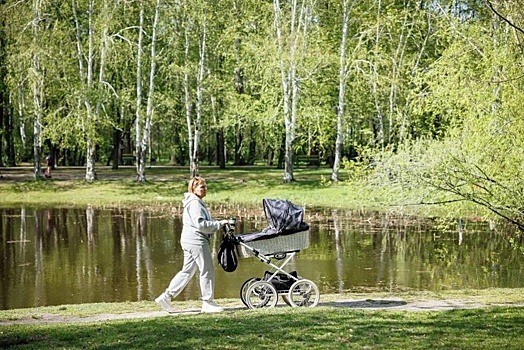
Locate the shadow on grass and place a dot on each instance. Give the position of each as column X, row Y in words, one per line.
column 365, row 304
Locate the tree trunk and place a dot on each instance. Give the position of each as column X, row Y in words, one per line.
column 220, row 146
column 139, row 155
column 37, row 93
column 282, row 153
column 251, row 156
column 285, row 81
column 298, row 28
column 199, row 101
column 193, row 167
column 91, row 158
column 146, row 137
column 7, row 115
column 86, row 77
column 117, row 141
column 238, row 145
column 239, row 87
column 341, row 91
column 90, row 151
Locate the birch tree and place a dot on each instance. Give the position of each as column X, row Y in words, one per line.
column 143, row 127
column 196, row 18
column 38, row 87
column 291, row 35
column 86, row 72
column 138, row 112
column 342, row 75
column 86, row 75
column 194, row 161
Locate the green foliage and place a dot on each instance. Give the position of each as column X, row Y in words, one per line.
column 253, row 112
column 356, row 170
column 435, row 86
column 478, row 164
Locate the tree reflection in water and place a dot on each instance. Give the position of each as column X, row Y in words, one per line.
column 61, row 256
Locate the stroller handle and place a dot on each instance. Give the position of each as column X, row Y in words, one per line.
column 229, row 228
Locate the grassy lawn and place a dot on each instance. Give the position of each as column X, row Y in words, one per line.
column 245, row 186
column 332, row 325
column 316, row 328
column 164, row 186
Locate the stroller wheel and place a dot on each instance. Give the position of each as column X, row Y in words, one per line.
column 245, row 287
column 261, row 294
column 304, row 293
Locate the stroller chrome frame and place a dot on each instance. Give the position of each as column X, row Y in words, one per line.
column 263, row 292
column 285, row 236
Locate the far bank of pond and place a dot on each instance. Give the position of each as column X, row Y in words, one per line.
column 60, row 256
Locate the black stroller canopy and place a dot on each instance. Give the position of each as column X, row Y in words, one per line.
column 283, row 218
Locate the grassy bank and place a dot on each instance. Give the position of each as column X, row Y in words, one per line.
column 245, row 186
column 165, row 185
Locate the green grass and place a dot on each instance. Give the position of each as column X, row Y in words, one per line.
column 234, row 186
column 489, row 297
column 331, row 325
column 316, row 328
column 164, row 186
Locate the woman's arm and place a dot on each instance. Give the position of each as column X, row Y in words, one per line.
column 201, row 219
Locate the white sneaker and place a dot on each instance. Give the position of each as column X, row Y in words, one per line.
column 164, row 300
column 211, row 306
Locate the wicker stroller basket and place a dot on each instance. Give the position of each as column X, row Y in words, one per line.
column 279, row 244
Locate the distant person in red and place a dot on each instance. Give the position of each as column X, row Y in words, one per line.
column 50, row 163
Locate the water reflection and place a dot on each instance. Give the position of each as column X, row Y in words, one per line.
column 62, row 256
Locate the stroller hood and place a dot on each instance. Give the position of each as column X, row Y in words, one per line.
column 283, row 217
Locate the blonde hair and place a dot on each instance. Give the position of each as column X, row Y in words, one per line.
column 194, row 183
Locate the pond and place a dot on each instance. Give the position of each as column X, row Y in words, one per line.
column 68, row 256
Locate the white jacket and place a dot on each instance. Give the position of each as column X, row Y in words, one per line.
column 197, row 222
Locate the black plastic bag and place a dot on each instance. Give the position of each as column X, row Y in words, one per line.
column 227, row 255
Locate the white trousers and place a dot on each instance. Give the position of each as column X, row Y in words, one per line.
column 196, row 257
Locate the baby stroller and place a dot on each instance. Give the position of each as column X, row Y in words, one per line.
column 285, row 236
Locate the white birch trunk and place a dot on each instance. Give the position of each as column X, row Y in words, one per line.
column 90, row 145
column 187, row 96
column 199, row 102
column 149, row 110
column 285, row 81
column 21, row 108
column 86, row 79
column 374, row 81
column 37, row 92
column 138, row 114
column 298, row 28
column 341, row 91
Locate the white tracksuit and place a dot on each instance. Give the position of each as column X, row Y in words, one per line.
column 198, row 225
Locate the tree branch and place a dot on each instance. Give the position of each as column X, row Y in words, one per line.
column 490, row 5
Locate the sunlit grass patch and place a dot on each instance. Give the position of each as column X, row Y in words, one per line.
column 316, row 328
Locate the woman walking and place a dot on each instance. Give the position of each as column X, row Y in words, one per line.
column 198, row 225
